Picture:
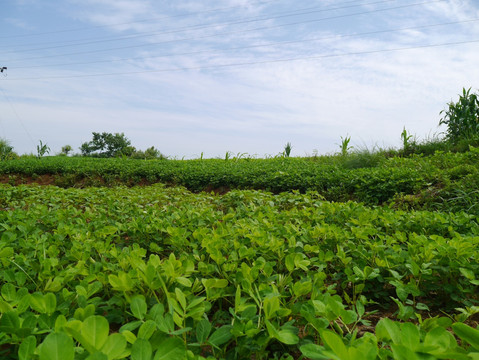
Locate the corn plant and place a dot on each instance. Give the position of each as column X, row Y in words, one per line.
column 287, row 149
column 42, row 149
column 345, row 145
column 406, row 143
column 462, row 117
column 5, row 149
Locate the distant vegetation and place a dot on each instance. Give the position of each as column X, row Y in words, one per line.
column 445, row 180
column 107, row 145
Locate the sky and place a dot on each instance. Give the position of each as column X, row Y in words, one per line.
column 193, row 77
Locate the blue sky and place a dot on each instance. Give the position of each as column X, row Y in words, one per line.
column 245, row 76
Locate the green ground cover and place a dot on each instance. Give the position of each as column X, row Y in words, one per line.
column 158, row 272
column 443, row 181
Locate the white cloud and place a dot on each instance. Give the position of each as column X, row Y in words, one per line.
column 255, row 108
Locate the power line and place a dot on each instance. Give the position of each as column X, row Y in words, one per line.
column 17, row 116
column 222, row 66
column 230, row 33
column 133, row 22
column 210, row 51
column 202, row 26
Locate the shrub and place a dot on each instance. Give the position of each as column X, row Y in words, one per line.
column 148, row 154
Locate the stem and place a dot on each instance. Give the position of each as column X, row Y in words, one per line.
column 14, row 263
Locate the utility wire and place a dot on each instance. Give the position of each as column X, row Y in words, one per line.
column 222, row 66
column 230, row 33
column 133, row 22
column 201, row 27
column 17, row 116
column 273, row 44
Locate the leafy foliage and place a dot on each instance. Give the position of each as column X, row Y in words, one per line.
column 149, row 154
column 287, row 149
column 462, row 117
column 446, row 181
column 107, row 145
column 344, row 146
column 66, row 150
column 6, row 150
column 162, row 273
column 42, row 149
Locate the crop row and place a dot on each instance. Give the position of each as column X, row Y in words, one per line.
column 163, row 273
column 444, row 181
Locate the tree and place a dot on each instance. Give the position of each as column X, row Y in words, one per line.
column 107, row 145
column 66, row 149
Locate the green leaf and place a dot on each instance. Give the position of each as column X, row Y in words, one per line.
column 360, row 308
column 57, row 346
column 171, row 349
column 272, row 331
column 410, row 336
column 289, row 262
column 221, row 335
column 203, row 329
column 97, row 356
column 335, row 343
column 6, row 252
column 37, row 303
column 5, row 307
column 95, row 331
column 122, row 282
column 388, row 330
column 402, row 352
column 9, row 292
column 467, row 333
column 467, row 273
column 214, row 283
column 301, row 288
column 237, row 299
column 184, row 281
column 287, row 337
column 9, row 322
column 348, row 316
column 114, row 346
column 180, row 296
column 27, row 348
column 316, row 352
column 60, row 322
column 53, row 285
column 270, row 306
column 439, row 339
column 50, row 303
column 141, row 350
column 138, row 307
column 129, row 336
column 147, row 329
column 195, row 302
